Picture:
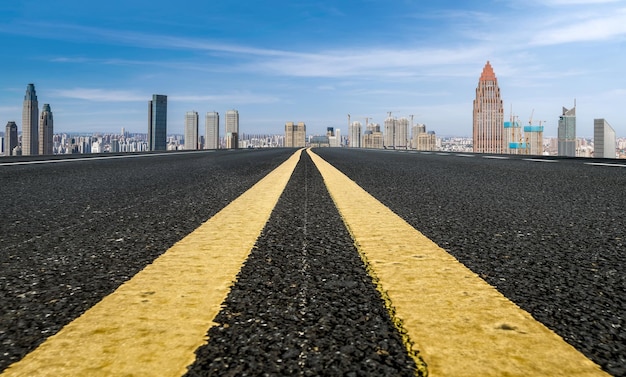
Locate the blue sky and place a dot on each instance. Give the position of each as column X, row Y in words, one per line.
column 97, row 63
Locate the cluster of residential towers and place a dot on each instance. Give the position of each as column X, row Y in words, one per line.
column 395, row 135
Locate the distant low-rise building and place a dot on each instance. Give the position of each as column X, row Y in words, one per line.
column 319, row 141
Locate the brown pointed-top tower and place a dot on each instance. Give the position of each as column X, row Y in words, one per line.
column 488, row 114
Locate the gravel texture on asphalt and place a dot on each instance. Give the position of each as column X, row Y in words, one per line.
column 550, row 236
column 303, row 303
column 72, row 232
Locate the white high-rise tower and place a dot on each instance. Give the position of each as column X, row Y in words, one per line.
column 232, row 129
column 212, row 130
column 30, row 118
column 191, row 130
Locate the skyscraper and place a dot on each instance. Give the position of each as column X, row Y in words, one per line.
column 232, row 129
column 567, row 133
column 30, row 117
column 46, row 130
column 603, row 139
column 488, row 126
column 295, row 135
column 355, row 135
column 157, row 123
column 191, row 130
column 10, row 138
column 335, row 139
column 401, row 137
column 390, row 132
column 212, row 130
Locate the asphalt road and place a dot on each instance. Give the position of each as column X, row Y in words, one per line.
column 549, row 235
column 72, row 232
column 303, row 303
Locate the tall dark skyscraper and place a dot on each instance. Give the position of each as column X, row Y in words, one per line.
column 46, row 130
column 157, row 123
column 488, row 132
column 30, row 118
column 10, row 138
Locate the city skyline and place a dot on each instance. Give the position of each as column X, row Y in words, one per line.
column 97, row 64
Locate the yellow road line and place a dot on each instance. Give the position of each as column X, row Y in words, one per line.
column 152, row 324
column 461, row 325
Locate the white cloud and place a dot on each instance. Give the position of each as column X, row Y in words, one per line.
column 101, row 95
column 600, row 27
column 577, row 2
column 9, row 109
column 368, row 62
column 236, row 98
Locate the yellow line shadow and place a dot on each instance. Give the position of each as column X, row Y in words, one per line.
column 152, row 324
column 461, row 325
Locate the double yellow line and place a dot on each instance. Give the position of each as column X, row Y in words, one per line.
column 152, row 324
